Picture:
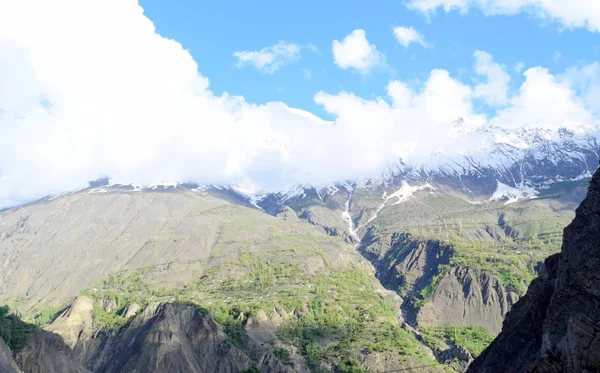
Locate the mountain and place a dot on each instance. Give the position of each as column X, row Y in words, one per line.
column 415, row 267
column 555, row 326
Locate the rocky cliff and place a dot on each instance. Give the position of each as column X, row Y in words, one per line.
column 7, row 363
column 436, row 293
column 162, row 338
column 467, row 297
column 555, row 327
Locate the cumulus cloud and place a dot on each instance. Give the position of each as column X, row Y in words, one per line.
column 355, row 52
column 572, row 14
column 408, row 35
column 495, row 90
column 102, row 94
column 269, row 59
column 544, row 100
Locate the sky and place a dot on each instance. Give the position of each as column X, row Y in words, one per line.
column 266, row 95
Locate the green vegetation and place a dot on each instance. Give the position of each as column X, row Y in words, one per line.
column 505, row 240
column 334, row 313
column 12, row 329
column 473, row 338
column 46, row 315
column 252, row 369
column 283, row 355
column 423, row 295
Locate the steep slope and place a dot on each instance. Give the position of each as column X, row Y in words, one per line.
column 51, row 250
column 554, row 327
column 282, row 289
column 7, row 363
column 458, row 259
column 170, row 338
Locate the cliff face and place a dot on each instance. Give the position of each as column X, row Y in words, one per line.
column 7, row 363
column 461, row 296
column 555, row 327
column 467, row 296
column 164, row 337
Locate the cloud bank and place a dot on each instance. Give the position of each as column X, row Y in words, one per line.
column 569, row 13
column 102, row 94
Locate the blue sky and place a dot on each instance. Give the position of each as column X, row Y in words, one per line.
column 213, row 30
column 118, row 88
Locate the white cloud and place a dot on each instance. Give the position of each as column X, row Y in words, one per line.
column 585, row 80
column 544, row 100
column 269, row 59
column 495, row 90
column 355, row 52
column 408, row 35
column 569, row 13
column 116, row 99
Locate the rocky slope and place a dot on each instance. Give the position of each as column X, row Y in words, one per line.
column 555, row 327
column 163, row 338
column 466, row 297
column 7, row 363
column 129, row 249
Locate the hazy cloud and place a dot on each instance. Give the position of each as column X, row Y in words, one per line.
column 573, row 13
column 269, row 59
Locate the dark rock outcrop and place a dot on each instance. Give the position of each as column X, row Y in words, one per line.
column 403, row 264
column 7, row 363
column 47, row 352
column 171, row 338
column 555, row 327
column 164, row 338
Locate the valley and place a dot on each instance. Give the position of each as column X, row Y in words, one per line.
column 414, row 268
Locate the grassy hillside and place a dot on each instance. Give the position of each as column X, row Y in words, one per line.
column 336, row 313
column 505, row 240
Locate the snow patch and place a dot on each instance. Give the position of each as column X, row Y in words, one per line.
column 407, row 191
column 348, row 219
column 513, row 194
column 404, row 193
column 253, row 196
column 297, row 191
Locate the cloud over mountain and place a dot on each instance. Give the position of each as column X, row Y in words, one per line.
column 101, row 93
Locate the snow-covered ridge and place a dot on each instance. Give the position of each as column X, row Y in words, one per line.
column 510, row 160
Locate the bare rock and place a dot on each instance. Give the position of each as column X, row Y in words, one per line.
column 131, row 310
column 555, row 327
column 46, row 352
column 7, row 363
column 467, row 297
column 75, row 323
column 170, row 338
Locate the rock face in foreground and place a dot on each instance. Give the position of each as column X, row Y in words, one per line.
column 7, row 363
column 164, row 338
column 555, row 327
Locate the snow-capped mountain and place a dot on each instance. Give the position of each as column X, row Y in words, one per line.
column 498, row 165
column 493, row 164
